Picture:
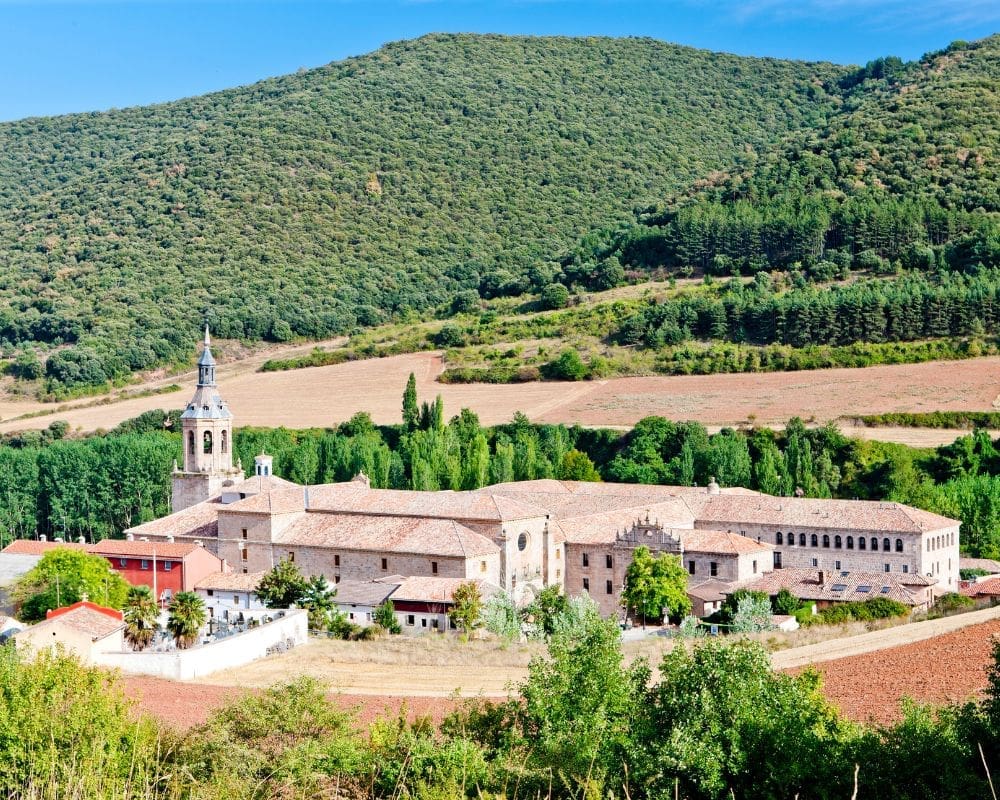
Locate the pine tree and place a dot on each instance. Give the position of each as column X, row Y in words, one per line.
column 411, row 412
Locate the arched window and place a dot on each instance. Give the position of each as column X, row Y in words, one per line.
column 778, row 538
column 814, row 540
column 861, row 542
column 899, row 545
column 191, row 443
column 850, row 542
column 802, row 539
column 225, row 441
column 837, row 542
column 206, row 442
column 886, row 545
column 874, row 543
column 826, row 540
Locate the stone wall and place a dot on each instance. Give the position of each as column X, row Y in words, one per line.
column 233, row 651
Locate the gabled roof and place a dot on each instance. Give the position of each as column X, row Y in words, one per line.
column 441, row 537
column 836, row 586
column 801, row 512
column 710, row 591
column 231, row 581
column 721, row 542
column 200, row 521
column 85, row 617
column 365, row 593
column 437, row 590
column 477, row 506
column 33, row 547
column 985, row 564
column 139, row 549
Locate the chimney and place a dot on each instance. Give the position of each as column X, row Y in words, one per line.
column 81, row 540
column 170, row 537
column 129, row 537
column 43, row 538
column 58, row 539
column 199, row 543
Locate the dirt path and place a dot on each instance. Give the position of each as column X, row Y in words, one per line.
column 879, row 640
column 324, row 396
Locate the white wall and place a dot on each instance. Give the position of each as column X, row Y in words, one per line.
column 233, row 651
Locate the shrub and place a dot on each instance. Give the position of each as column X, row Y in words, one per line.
column 555, row 295
column 567, row 367
column 449, row 336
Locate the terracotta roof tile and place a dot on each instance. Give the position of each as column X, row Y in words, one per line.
column 231, row 581
column 122, row 547
column 420, row 536
column 800, row 512
column 478, row 506
column 428, row 589
column 722, row 542
column 836, row 586
column 200, row 521
column 32, row 547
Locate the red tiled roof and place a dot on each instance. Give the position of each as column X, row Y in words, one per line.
column 200, row 521
column 231, row 581
column 443, row 537
column 140, row 549
column 723, row 542
column 836, row 586
column 437, row 590
column 33, row 547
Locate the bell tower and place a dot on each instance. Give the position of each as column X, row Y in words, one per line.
column 207, row 437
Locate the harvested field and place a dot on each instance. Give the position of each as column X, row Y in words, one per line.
column 327, row 395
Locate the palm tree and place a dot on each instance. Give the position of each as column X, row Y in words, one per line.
column 140, row 615
column 186, row 616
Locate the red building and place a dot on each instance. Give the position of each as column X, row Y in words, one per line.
column 165, row 567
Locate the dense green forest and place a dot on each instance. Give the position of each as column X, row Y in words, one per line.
column 97, row 486
column 715, row 722
column 376, row 187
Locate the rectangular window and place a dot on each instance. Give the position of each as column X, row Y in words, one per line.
column 586, row 584
column 836, row 565
column 713, row 568
column 815, row 562
column 482, row 566
column 452, row 625
column 243, row 554
column 690, row 568
column 168, row 565
column 385, row 563
column 291, row 556
column 558, row 574
column 434, row 623
column 244, row 533
column 886, row 567
column 906, row 568
column 336, row 561
column 586, row 559
column 608, row 562
column 210, row 592
column 423, row 622
column 409, row 619
column 122, row 562
column 755, row 567
column 236, row 600
column 434, row 567
column 608, row 588
column 557, row 553
column 245, row 570
column 144, row 564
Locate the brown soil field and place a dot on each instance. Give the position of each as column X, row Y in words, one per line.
column 866, row 676
column 324, row 396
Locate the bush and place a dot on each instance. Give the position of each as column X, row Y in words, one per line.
column 449, row 336
column 953, row 601
column 567, row 367
column 555, row 295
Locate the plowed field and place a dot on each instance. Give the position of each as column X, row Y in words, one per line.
column 323, row 396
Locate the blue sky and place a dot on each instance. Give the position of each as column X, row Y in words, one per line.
column 81, row 55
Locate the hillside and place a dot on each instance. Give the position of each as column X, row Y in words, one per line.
column 370, row 188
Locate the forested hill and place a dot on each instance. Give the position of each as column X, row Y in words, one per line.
column 909, row 161
column 308, row 204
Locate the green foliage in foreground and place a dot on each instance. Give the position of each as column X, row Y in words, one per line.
column 716, row 722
